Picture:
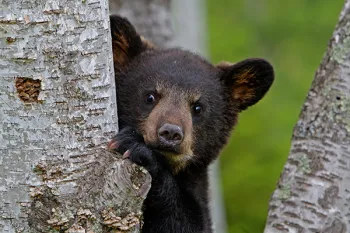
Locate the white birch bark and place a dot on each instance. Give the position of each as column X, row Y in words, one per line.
column 57, row 112
column 313, row 192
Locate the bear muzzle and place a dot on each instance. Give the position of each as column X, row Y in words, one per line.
column 170, row 137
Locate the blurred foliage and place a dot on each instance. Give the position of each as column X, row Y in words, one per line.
column 293, row 35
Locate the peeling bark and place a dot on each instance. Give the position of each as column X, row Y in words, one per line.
column 313, row 192
column 57, row 112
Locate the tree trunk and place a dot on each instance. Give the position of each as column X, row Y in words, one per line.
column 313, row 192
column 57, row 112
column 152, row 18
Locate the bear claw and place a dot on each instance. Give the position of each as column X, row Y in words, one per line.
column 113, row 144
column 126, row 154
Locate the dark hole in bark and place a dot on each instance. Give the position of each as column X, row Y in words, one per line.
column 10, row 39
column 28, row 89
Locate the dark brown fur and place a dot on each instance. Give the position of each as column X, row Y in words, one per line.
column 179, row 81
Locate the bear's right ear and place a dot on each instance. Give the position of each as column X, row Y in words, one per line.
column 126, row 42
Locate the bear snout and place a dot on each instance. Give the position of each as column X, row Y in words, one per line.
column 170, row 135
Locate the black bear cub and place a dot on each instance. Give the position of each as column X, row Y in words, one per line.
column 176, row 112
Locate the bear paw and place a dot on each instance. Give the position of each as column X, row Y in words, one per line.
column 132, row 146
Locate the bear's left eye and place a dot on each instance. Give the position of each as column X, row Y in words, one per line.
column 150, row 98
column 197, row 109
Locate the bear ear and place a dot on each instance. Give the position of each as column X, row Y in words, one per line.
column 126, row 42
column 248, row 80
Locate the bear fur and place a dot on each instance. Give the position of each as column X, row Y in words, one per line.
column 176, row 112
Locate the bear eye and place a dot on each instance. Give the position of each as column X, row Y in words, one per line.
column 197, row 109
column 150, row 98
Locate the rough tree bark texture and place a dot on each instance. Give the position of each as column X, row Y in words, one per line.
column 313, row 192
column 57, row 111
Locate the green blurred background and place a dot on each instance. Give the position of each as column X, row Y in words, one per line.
column 293, row 35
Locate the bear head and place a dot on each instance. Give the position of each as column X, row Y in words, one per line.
column 183, row 106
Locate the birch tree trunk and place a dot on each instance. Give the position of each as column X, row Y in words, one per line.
column 57, row 112
column 151, row 18
column 313, row 192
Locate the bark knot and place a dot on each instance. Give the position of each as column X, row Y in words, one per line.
column 28, row 89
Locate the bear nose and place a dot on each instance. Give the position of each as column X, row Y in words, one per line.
column 170, row 135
